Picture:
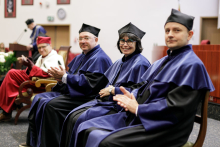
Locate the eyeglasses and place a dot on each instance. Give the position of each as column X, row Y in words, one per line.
column 129, row 42
column 85, row 39
column 43, row 47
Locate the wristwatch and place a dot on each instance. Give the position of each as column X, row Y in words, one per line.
column 110, row 90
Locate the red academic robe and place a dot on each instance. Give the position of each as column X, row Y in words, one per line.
column 13, row 79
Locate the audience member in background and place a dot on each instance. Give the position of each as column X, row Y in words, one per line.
column 2, row 47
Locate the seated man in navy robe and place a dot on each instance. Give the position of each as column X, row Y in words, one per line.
column 161, row 112
column 79, row 85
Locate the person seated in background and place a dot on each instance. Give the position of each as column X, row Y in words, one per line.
column 126, row 71
column 13, row 79
column 2, row 47
column 161, row 112
column 77, row 86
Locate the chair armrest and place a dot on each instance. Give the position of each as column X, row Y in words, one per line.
column 44, row 81
column 24, row 98
column 48, row 88
column 38, row 78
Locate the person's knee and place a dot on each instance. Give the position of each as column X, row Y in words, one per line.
column 50, row 106
column 106, row 142
column 11, row 72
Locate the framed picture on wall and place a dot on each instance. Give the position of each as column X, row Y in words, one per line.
column 27, row 2
column 10, row 8
column 63, row 1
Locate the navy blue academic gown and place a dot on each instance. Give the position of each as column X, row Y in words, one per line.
column 83, row 76
column 124, row 72
column 166, row 108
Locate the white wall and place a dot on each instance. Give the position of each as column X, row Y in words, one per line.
column 109, row 15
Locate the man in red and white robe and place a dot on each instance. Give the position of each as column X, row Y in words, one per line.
column 14, row 78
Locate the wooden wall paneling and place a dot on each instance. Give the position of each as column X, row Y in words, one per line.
column 211, row 68
column 215, row 65
column 209, row 55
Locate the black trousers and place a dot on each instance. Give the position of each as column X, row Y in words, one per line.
column 134, row 137
column 68, row 128
column 54, row 115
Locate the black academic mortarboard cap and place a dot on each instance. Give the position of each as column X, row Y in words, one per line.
column 177, row 16
column 87, row 28
column 29, row 21
column 130, row 28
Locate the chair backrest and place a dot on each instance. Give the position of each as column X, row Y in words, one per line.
column 202, row 120
column 64, row 51
column 205, row 42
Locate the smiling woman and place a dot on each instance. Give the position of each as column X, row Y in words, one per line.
column 129, row 43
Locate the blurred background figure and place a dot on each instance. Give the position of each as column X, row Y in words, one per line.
column 2, row 47
column 36, row 30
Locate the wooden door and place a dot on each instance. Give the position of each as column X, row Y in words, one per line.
column 60, row 35
column 209, row 30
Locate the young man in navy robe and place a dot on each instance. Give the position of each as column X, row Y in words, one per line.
column 162, row 111
column 75, row 87
column 36, row 30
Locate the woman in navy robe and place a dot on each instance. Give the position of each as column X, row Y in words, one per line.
column 124, row 72
column 161, row 112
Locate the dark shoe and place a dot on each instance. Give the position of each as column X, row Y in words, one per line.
column 18, row 107
column 24, row 145
column 4, row 118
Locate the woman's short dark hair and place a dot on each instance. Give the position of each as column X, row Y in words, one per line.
column 133, row 37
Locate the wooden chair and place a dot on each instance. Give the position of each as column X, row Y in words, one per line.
column 48, row 83
column 202, row 120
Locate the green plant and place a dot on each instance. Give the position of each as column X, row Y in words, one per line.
column 6, row 59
